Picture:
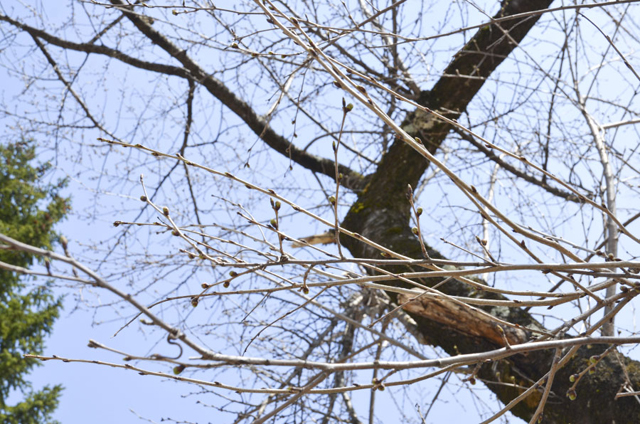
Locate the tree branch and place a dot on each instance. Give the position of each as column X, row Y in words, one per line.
column 257, row 123
column 382, row 214
column 191, row 70
column 515, row 171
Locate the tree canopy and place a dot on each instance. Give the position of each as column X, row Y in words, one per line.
column 29, row 209
column 470, row 164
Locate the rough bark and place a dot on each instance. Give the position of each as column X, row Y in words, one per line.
column 382, row 214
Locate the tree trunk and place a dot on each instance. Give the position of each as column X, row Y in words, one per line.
column 382, row 214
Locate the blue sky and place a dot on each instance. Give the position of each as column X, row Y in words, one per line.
column 103, row 395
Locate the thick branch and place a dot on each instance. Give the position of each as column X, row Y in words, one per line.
column 98, row 49
column 461, row 81
column 382, row 214
column 191, row 70
column 257, row 123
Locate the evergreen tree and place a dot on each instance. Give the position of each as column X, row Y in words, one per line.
column 29, row 209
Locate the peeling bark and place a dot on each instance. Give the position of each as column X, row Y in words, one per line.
column 465, row 320
column 382, row 214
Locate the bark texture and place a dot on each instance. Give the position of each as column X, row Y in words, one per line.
column 382, row 214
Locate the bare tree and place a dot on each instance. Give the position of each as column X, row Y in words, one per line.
column 473, row 166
